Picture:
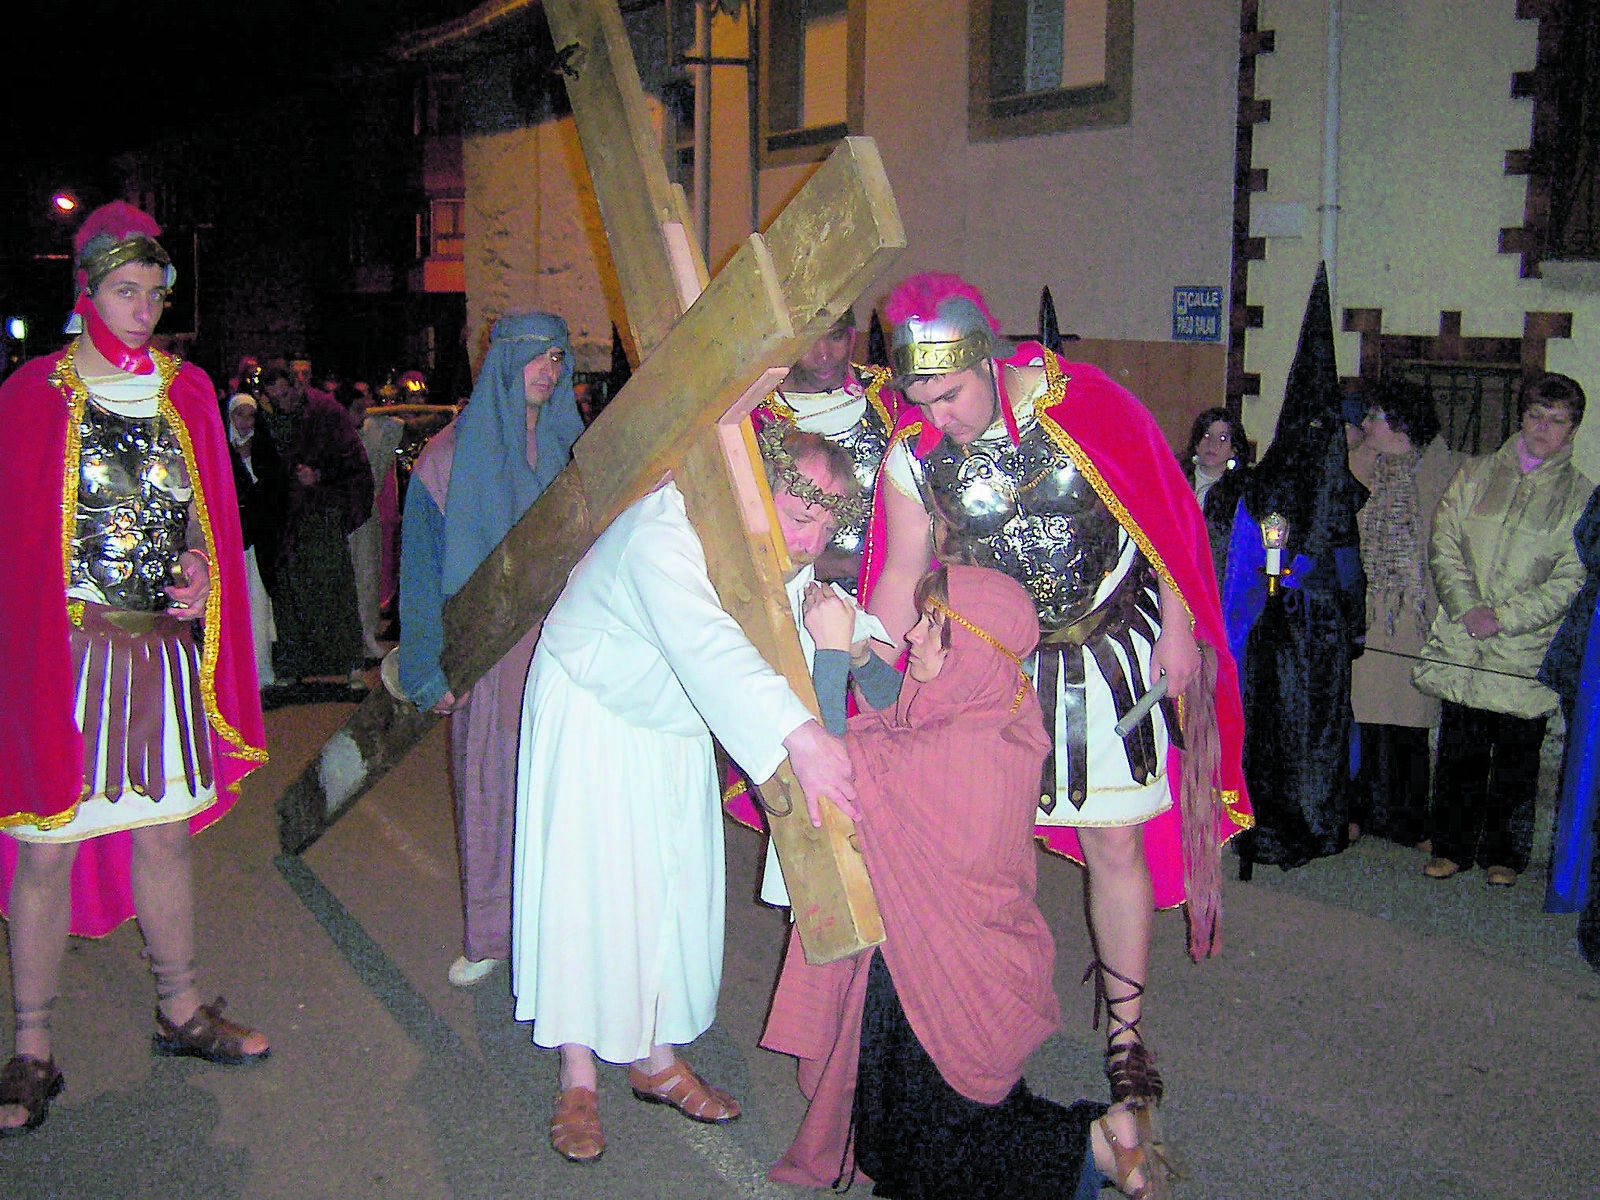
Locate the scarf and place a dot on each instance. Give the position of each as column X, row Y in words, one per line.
column 1391, row 545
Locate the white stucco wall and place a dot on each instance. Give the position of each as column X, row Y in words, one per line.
column 1111, row 219
column 534, row 238
column 1426, row 119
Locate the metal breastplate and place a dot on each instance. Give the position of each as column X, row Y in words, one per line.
column 133, row 510
column 1028, row 511
column 865, row 442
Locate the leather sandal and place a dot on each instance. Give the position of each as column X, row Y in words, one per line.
column 207, row 1034
column 575, row 1126
column 679, row 1087
column 1145, row 1159
column 30, row 1083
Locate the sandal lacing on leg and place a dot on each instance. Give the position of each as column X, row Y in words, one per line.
column 1130, row 1067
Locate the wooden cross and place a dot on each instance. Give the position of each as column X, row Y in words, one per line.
column 709, row 352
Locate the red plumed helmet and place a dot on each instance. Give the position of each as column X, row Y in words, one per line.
column 922, row 295
column 118, row 220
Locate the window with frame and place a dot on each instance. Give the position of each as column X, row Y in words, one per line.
column 1044, row 66
column 1476, row 402
column 811, row 69
column 1573, row 150
column 447, row 228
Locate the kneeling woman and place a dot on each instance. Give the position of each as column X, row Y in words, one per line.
column 912, row 1053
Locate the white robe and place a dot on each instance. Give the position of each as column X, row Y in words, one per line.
column 617, row 900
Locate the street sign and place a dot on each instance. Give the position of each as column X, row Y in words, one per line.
column 1197, row 314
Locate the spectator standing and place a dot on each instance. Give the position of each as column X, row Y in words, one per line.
column 258, row 480
column 1572, row 668
column 1506, row 568
column 328, row 494
column 1405, row 465
column 1216, row 464
column 380, row 438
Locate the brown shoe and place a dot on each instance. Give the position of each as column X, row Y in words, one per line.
column 575, row 1126
column 680, row 1088
column 1141, row 1169
column 1441, row 868
column 208, row 1035
column 1501, row 877
column 29, row 1083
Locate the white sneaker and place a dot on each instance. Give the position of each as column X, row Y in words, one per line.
column 465, row 972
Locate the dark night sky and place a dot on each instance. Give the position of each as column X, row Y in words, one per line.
column 84, row 79
column 87, row 80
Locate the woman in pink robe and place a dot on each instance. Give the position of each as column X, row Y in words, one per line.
column 912, row 1053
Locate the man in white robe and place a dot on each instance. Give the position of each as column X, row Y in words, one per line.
column 618, row 886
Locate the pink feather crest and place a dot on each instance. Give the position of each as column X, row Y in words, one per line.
column 119, row 219
column 920, row 296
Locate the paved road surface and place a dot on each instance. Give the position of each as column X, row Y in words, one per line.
column 1364, row 1033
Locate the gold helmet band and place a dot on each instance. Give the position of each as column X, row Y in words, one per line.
column 102, row 256
column 955, row 338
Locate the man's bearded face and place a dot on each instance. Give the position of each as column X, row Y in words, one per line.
column 807, row 528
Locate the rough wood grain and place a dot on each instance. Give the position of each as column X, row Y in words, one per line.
column 773, row 299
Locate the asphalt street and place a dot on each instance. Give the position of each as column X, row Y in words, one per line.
column 1364, row 1032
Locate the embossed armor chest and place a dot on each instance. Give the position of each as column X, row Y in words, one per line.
column 133, row 509
column 865, row 442
column 1028, row 511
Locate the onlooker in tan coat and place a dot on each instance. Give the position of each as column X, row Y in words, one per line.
column 1405, row 465
column 1506, row 568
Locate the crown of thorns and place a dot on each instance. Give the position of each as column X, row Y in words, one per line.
column 787, row 475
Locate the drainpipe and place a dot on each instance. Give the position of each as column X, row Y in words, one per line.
column 1329, row 208
column 702, row 128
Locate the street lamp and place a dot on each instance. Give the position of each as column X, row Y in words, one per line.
column 16, row 331
column 64, row 203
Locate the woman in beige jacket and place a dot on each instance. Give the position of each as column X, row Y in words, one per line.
column 1405, row 465
column 1506, row 568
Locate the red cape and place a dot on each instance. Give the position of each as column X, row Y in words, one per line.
column 41, row 747
column 1119, row 447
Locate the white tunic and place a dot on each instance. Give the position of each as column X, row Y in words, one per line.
column 617, row 901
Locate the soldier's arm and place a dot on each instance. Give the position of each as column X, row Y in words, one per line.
column 905, row 560
column 1175, row 653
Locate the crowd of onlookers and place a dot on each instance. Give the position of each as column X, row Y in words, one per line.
column 1477, row 621
column 320, row 468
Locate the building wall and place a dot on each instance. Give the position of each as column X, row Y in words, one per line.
column 534, row 238
column 1426, row 119
column 1110, row 219
column 1113, row 219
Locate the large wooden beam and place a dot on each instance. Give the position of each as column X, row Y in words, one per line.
column 829, row 893
column 682, row 414
column 744, row 325
column 643, row 212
